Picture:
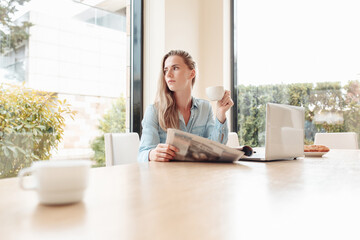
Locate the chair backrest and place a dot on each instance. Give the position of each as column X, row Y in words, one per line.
column 121, row 148
column 233, row 140
column 344, row 140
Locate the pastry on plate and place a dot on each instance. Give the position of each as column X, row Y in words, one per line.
column 316, row 148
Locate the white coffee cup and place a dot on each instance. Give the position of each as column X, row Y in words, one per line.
column 58, row 181
column 215, row 93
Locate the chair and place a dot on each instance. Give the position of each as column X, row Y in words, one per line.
column 121, row 148
column 343, row 140
column 233, row 140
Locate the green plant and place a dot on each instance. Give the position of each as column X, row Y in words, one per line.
column 319, row 98
column 113, row 122
column 12, row 33
column 31, row 125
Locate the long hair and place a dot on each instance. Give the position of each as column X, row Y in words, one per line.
column 165, row 100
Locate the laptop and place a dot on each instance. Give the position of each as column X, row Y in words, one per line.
column 284, row 134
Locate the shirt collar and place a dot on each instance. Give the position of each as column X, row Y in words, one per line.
column 194, row 103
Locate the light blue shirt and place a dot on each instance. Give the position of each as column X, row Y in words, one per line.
column 201, row 123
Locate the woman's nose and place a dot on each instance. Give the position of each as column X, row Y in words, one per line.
column 169, row 73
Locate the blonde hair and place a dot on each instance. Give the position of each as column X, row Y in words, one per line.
column 165, row 100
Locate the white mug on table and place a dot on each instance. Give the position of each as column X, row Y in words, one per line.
column 58, row 182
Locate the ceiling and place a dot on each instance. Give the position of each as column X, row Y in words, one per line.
column 108, row 5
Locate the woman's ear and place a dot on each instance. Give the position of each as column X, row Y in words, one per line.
column 192, row 74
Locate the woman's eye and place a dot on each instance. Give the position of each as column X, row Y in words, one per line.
column 175, row 68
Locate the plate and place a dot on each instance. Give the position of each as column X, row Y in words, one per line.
column 314, row 154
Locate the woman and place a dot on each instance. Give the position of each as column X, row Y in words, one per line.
column 174, row 107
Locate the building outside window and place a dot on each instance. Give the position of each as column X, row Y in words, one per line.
column 80, row 52
column 299, row 53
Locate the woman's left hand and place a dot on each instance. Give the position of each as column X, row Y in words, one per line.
column 223, row 106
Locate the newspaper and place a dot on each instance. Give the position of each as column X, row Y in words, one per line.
column 195, row 148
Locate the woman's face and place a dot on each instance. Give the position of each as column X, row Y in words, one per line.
column 177, row 74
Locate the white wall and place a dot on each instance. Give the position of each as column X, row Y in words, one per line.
column 201, row 27
column 211, row 45
column 196, row 26
column 169, row 25
column 154, row 46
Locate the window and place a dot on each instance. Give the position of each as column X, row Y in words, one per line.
column 80, row 52
column 298, row 53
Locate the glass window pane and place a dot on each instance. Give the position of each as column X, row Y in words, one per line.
column 299, row 53
column 77, row 51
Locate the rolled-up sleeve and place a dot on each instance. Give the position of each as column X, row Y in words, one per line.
column 150, row 135
column 216, row 130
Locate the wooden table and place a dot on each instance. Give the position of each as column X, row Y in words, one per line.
column 309, row 198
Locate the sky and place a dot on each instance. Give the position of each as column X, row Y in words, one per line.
column 282, row 41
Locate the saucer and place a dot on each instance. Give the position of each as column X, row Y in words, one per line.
column 314, row 154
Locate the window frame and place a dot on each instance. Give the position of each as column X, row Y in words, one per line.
column 233, row 66
column 136, row 68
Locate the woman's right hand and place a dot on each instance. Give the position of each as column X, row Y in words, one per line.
column 163, row 153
